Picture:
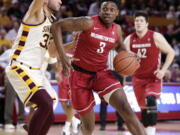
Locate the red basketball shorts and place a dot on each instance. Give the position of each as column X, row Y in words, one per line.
column 63, row 89
column 146, row 87
column 82, row 87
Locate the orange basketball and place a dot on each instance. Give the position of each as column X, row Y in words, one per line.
column 126, row 63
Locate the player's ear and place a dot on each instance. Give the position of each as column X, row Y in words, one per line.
column 147, row 24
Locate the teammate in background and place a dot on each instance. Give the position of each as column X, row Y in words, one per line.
column 27, row 58
column 99, row 35
column 147, row 80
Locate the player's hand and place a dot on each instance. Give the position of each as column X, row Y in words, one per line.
column 159, row 73
column 66, row 64
column 138, row 58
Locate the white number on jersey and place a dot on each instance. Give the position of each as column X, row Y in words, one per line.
column 101, row 47
column 142, row 52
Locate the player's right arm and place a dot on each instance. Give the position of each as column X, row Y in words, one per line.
column 35, row 13
column 68, row 24
column 127, row 42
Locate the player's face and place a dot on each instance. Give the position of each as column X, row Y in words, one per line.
column 108, row 12
column 140, row 24
column 54, row 4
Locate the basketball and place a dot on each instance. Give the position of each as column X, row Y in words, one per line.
column 126, row 63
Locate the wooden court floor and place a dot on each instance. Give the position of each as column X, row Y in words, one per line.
column 163, row 128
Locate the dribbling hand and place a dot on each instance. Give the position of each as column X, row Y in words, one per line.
column 66, row 64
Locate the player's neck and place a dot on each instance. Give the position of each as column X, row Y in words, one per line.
column 105, row 24
column 141, row 34
column 47, row 11
column 108, row 25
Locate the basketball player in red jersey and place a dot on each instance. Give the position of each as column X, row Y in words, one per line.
column 147, row 79
column 99, row 35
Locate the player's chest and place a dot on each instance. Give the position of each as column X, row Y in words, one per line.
column 98, row 38
column 143, row 47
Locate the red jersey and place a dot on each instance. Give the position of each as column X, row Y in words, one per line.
column 150, row 55
column 93, row 45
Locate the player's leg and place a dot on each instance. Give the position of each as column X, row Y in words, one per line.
column 88, row 123
column 111, row 90
column 120, row 122
column 150, row 114
column 119, row 118
column 82, row 99
column 23, row 82
column 63, row 89
column 68, row 110
column 75, row 124
column 31, row 112
column 119, row 101
column 43, row 114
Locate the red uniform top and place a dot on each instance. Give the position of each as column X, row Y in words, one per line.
column 93, row 45
column 150, row 55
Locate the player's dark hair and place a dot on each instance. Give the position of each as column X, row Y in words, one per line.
column 117, row 2
column 141, row 13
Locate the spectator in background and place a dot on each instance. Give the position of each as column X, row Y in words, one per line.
column 2, row 97
column 12, row 33
column 171, row 13
column 175, row 71
column 94, row 8
column 3, row 39
column 81, row 8
column 4, row 19
column 176, row 47
column 167, row 76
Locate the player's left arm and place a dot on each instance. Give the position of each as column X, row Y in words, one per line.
column 53, row 51
column 164, row 47
column 120, row 46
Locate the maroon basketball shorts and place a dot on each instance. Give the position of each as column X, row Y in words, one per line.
column 82, row 86
column 146, row 87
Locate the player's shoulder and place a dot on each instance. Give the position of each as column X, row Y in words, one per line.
column 157, row 35
column 128, row 37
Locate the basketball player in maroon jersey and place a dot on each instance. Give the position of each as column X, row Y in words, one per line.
column 99, row 35
column 147, row 79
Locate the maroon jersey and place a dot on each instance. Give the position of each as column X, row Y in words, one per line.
column 150, row 55
column 94, row 45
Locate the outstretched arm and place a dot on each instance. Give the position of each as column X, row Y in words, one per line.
column 68, row 24
column 165, row 47
column 53, row 51
column 35, row 13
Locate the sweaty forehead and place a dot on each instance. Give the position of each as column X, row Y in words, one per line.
column 109, row 4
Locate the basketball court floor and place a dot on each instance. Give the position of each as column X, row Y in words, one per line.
column 163, row 128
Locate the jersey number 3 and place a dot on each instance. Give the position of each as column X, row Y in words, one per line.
column 102, row 45
column 46, row 41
